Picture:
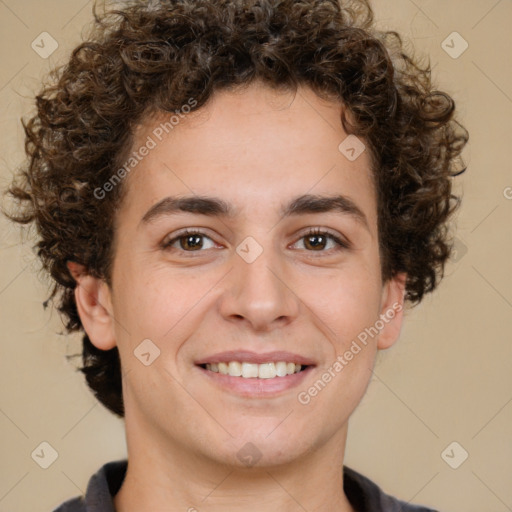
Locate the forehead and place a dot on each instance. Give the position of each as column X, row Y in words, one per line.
column 252, row 144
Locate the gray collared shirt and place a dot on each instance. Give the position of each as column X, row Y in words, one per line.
column 363, row 494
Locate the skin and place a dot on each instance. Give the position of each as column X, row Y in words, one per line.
column 256, row 149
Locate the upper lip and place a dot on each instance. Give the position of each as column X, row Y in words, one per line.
column 245, row 356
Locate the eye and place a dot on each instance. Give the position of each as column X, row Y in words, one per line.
column 314, row 240
column 318, row 240
column 189, row 241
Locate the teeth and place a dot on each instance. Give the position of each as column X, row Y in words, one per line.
column 235, row 369
column 248, row 370
column 252, row 370
column 281, row 369
column 267, row 371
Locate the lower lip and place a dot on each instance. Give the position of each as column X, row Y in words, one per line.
column 254, row 387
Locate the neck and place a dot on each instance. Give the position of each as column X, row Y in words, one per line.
column 176, row 479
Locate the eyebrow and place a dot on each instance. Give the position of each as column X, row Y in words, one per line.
column 216, row 207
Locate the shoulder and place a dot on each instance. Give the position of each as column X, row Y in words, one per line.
column 102, row 487
column 73, row 505
column 366, row 496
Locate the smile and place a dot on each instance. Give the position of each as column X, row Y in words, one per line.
column 248, row 370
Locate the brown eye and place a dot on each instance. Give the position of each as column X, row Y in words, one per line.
column 189, row 241
column 319, row 241
column 315, row 242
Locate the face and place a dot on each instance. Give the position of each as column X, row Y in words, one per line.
column 251, row 267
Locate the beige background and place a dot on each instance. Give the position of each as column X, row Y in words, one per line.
column 449, row 377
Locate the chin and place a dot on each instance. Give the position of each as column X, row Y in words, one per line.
column 258, row 450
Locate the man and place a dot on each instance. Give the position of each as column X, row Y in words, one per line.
column 236, row 200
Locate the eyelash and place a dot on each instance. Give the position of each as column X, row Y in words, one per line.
column 341, row 245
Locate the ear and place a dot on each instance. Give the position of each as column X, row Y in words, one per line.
column 94, row 304
column 393, row 293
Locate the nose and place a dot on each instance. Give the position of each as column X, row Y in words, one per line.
column 259, row 294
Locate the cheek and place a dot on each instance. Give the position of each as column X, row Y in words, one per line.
column 154, row 303
column 345, row 303
column 143, row 306
column 346, row 312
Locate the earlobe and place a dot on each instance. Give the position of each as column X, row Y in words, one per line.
column 392, row 310
column 94, row 304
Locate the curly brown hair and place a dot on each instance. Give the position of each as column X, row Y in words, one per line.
column 154, row 56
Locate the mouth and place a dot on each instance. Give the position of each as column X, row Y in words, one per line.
column 248, row 374
column 246, row 370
